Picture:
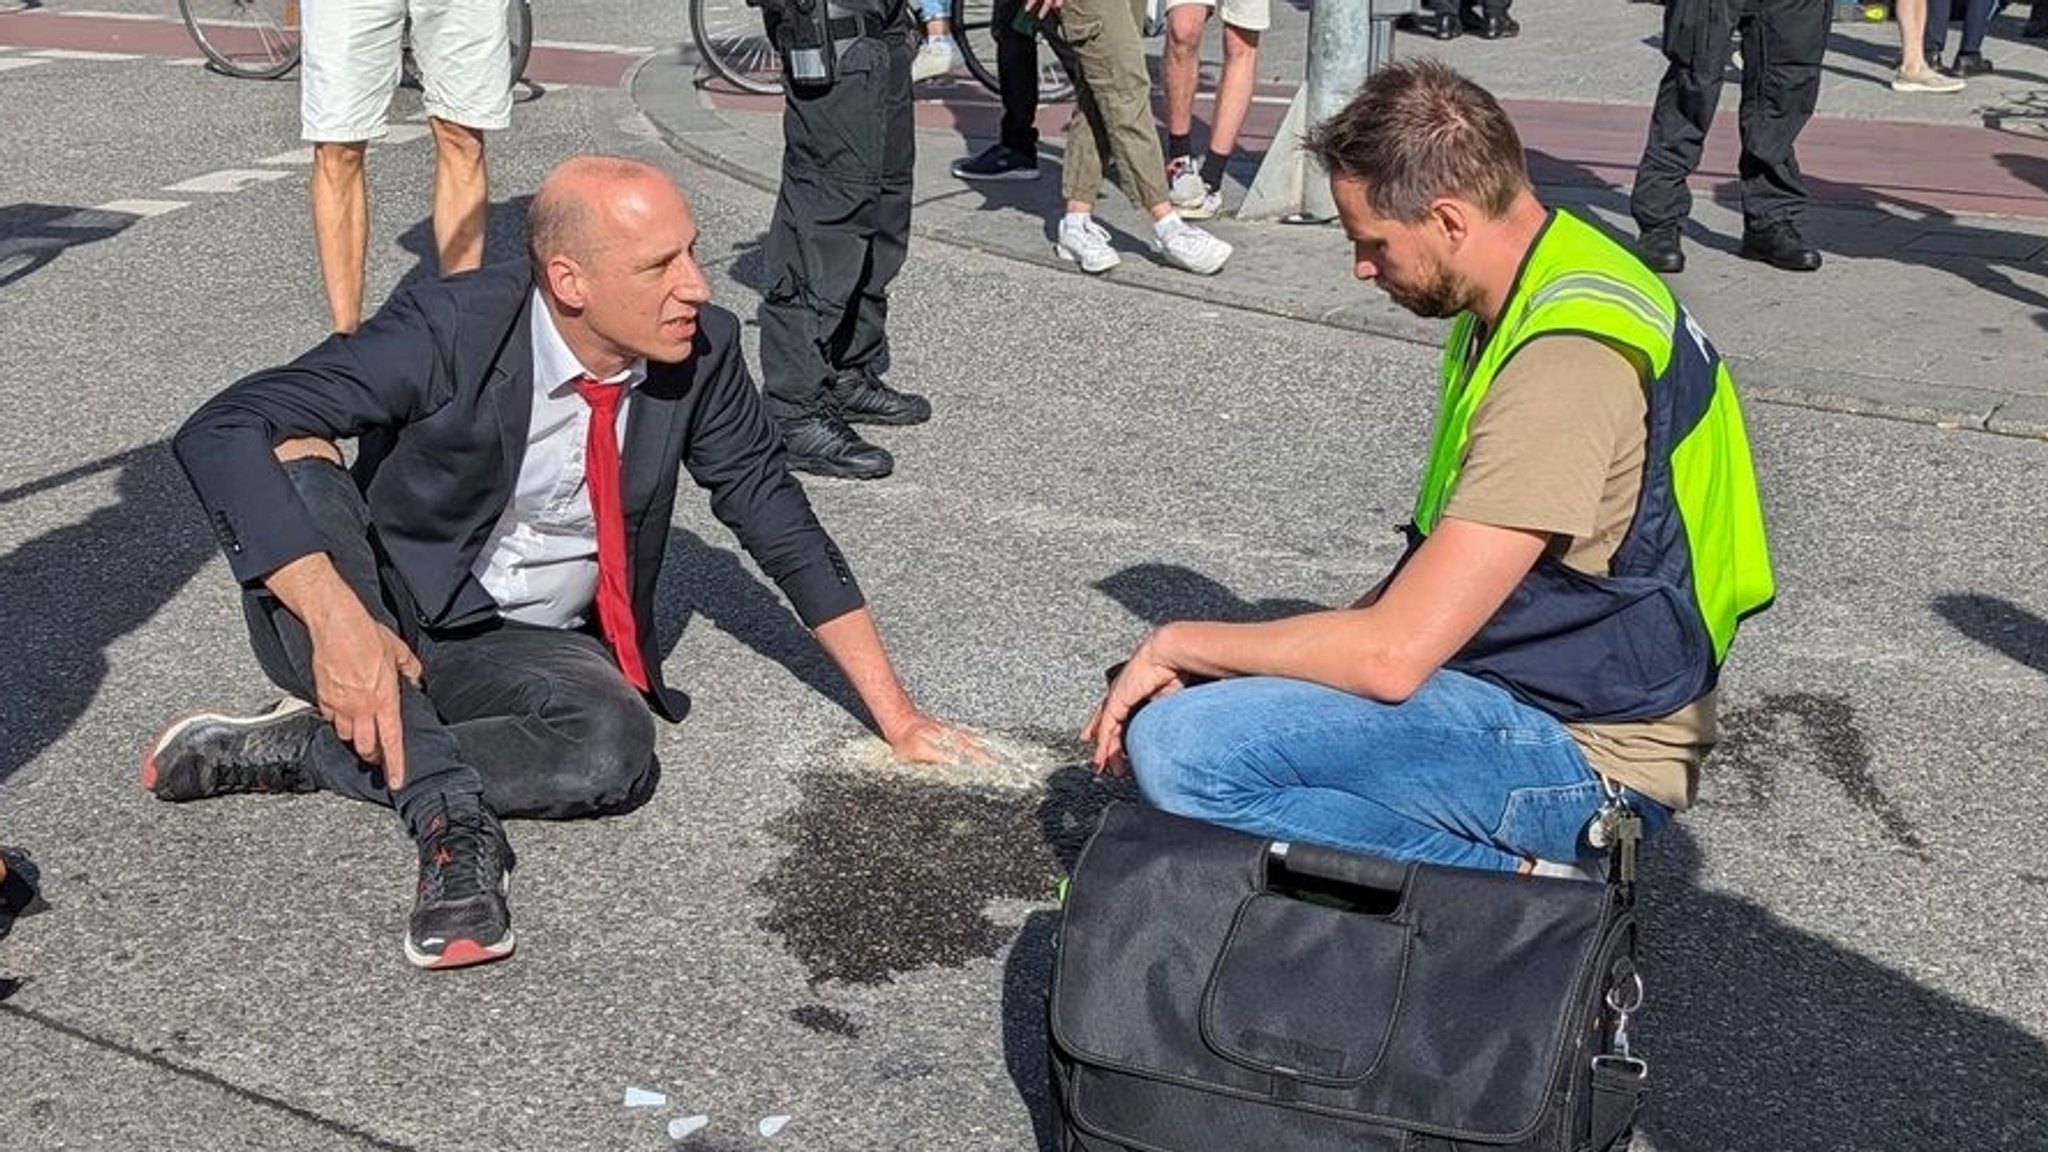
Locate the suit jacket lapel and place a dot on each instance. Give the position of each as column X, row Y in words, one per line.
column 650, row 424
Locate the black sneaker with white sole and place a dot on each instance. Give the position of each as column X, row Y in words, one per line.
column 216, row 755
column 998, row 162
column 459, row 915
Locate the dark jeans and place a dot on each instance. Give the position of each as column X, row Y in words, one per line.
column 539, row 721
column 1976, row 24
column 841, row 228
column 1782, row 43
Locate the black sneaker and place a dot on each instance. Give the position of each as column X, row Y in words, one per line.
column 822, row 444
column 459, row 917
column 213, row 755
column 863, row 398
column 998, row 162
column 19, row 896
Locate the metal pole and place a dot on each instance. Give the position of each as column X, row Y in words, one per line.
column 1347, row 41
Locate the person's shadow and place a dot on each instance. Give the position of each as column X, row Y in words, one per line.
column 1160, row 593
column 1999, row 625
column 504, row 239
column 699, row 579
column 33, row 235
column 69, row 594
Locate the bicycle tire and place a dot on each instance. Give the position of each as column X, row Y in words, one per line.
column 733, row 44
column 974, row 30
column 518, row 39
column 251, row 39
column 520, row 31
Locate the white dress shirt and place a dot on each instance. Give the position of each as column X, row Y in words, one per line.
column 540, row 563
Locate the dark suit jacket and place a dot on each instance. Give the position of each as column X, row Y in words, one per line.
column 438, row 387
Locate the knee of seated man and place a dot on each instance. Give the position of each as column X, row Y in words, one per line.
column 1170, row 752
column 616, row 756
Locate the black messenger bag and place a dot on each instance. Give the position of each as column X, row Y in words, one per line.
column 1217, row 992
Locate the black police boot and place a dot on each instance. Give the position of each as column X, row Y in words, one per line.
column 863, row 398
column 1778, row 244
column 1491, row 25
column 1659, row 250
column 821, row 443
column 1436, row 25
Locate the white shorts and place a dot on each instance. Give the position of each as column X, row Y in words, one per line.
column 349, row 64
column 1250, row 15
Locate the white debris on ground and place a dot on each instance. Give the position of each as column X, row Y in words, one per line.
column 1020, row 766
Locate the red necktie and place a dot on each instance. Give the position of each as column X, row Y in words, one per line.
column 601, row 473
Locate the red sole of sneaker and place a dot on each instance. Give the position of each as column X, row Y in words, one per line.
column 460, row 954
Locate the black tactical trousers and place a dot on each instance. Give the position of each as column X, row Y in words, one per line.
column 1782, row 43
column 842, row 223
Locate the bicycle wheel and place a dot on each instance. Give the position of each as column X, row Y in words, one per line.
column 974, row 31
column 518, row 40
column 519, row 30
column 253, row 39
column 732, row 43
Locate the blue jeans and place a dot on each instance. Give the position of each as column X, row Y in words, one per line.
column 930, row 10
column 1460, row 773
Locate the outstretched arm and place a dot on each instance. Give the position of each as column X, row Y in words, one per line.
column 854, row 644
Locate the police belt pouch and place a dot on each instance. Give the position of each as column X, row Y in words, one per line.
column 811, row 35
column 1214, row 990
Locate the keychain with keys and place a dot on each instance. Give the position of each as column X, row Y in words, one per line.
column 1617, row 826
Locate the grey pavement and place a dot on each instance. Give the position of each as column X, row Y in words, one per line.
column 1844, row 939
column 1901, row 208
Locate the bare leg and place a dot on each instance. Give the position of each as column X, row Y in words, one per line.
column 1912, row 18
column 341, row 228
column 1180, row 65
column 1234, row 88
column 461, row 196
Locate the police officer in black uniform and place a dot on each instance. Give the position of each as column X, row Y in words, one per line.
column 841, row 230
column 1782, row 44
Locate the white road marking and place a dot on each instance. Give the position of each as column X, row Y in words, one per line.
column 586, row 46
column 136, row 16
column 184, row 62
column 404, row 133
column 227, row 180
column 14, row 62
column 77, row 54
column 142, row 208
column 295, row 156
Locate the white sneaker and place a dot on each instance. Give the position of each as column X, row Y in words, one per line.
column 1190, row 197
column 1191, row 249
column 1925, row 80
column 1088, row 246
column 935, row 59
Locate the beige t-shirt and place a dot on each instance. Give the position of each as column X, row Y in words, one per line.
column 1556, row 446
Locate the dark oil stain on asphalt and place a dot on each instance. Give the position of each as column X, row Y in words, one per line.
column 819, row 1018
column 888, row 874
column 1758, row 741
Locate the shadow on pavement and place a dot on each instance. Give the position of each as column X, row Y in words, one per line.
column 33, row 235
column 702, row 580
column 1762, row 1037
column 504, row 240
column 1160, row 593
column 68, row 594
column 1999, row 625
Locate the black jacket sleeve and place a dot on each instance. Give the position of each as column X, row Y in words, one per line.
column 735, row 453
